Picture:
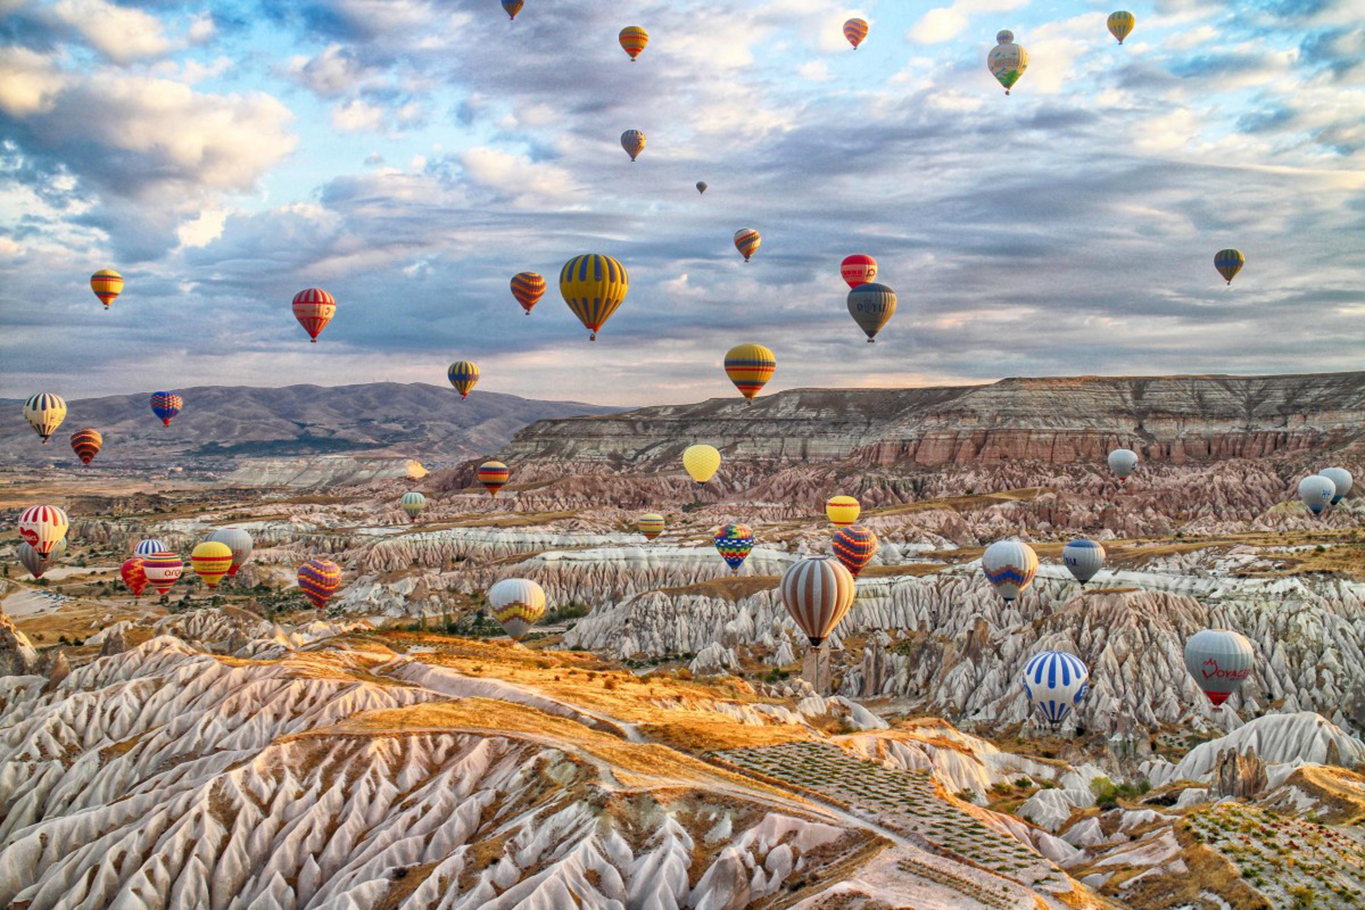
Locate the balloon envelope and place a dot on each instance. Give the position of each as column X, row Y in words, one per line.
column 633, row 141
column 134, row 575
column 1220, row 661
column 1122, row 463
column 463, row 375
column 701, row 462
column 633, row 40
column 817, row 592
column 517, row 604
column 701, row 186
column 650, row 524
column 149, row 546
column 1317, row 492
column 32, row 560
column 747, row 241
column 494, row 475
column 314, row 308
column 858, row 269
column 1228, row 263
column 512, row 7
column 43, row 527
column 239, row 542
column 1341, row 479
column 1007, row 61
column 528, row 288
column 855, row 30
column 1055, row 682
column 319, row 579
column 1083, row 558
column 86, row 444
column 871, row 305
column 1009, row 565
column 842, row 511
column 594, row 286
column 211, row 560
column 854, row 547
column 733, row 542
column 1121, row 24
column 45, row 412
column 166, row 405
column 163, row 570
column 413, row 503
column 107, row 285
column 749, row 367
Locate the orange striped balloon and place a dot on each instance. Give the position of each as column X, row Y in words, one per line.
column 749, row 367
column 314, row 308
column 650, row 524
column 319, row 579
column 855, row 30
column 528, row 288
column 747, row 241
column 86, row 444
column 493, row 475
column 633, row 40
column 107, row 285
column 211, row 560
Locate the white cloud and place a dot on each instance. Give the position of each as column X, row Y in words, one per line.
column 29, row 82
column 943, row 23
column 117, row 32
column 358, row 116
column 816, row 71
column 203, row 229
column 527, row 183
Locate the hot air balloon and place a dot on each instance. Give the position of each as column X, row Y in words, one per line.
column 1007, row 60
column 1121, row 24
column 166, row 405
column 42, row 527
column 701, row 462
column 817, row 591
column 1009, row 565
column 593, row 286
column 1317, row 492
column 855, row 30
column 107, row 285
column 854, row 547
column 319, row 579
column 463, row 375
column 150, row 546
column 528, row 288
column 513, row 7
column 747, row 241
column 650, row 524
column 1055, row 682
column 1220, row 661
column 493, row 475
column 413, row 503
column 1228, row 263
column 239, row 542
column 842, row 510
column 33, row 561
column 211, row 560
column 1083, row 558
column 734, row 543
column 1123, row 462
column 633, row 40
column 45, row 412
column 701, row 186
column 633, row 141
column 517, row 604
column 1341, row 479
column 86, row 444
column 162, row 570
column 134, row 575
column 749, row 367
column 871, row 305
column 314, row 308
column 858, row 269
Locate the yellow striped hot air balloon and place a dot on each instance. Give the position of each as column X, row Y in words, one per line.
column 650, row 524
column 701, row 462
column 211, row 560
column 1121, row 24
column 594, row 286
column 463, row 375
column 843, row 510
column 107, row 285
column 749, row 367
column 747, row 241
column 633, row 141
column 45, row 412
column 633, row 40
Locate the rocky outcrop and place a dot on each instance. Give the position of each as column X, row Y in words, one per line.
column 324, row 471
column 1239, row 775
column 18, row 657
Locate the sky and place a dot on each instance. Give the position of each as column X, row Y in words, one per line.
column 411, row 156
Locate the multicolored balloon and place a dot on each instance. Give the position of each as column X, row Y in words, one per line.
column 1220, row 661
column 45, row 412
column 817, row 592
column 107, row 285
column 1083, row 558
column 1121, row 24
column 166, row 405
column 528, row 288
column 1341, row 479
column 1054, row 683
column 517, row 604
column 1228, row 263
column 633, row 40
column 86, row 444
column 211, row 560
column 1007, row 60
column 493, row 475
column 413, row 503
column 1317, row 492
column 463, row 375
column 842, row 511
column 854, row 547
column 151, row 546
column 734, row 542
column 650, row 524
column 594, row 286
column 1010, row 566
column 1122, row 463
column 701, row 462
column 871, row 305
column 163, row 570
column 239, row 542
column 701, row 187
column 747, row 241
column 855, row 30
column 43, row 527
column 319, row 580
column 314, row 308
column 633, row 141
column 134, row 575
column 858, row 269
column 749, row 367
column 512, row 7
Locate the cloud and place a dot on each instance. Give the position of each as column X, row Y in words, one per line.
column 943, row 23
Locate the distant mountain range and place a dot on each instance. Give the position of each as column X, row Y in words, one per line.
column 221, row 425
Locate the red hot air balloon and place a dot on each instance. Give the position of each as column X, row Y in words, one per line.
column 319, row 579
column 134, row 575
column 86, row 444
column 855, row 30
column 528, row 288
column 858, row 269
column 314, row 308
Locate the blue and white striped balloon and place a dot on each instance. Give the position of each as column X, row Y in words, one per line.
column 149, row 546
column 1055, row 682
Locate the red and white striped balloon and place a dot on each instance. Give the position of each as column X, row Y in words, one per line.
column 314, row 308
column 43, row 527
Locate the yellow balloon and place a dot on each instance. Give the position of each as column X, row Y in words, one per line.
column 701, row 462
column 843, row 511
column 211, row 561
column 1121, row 24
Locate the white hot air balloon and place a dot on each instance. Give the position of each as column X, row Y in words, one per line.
column 1341, row 479
column 238, row 541
column 817, row 591
column 1316, row 492
column 518, row 604
column 1055, row 682
column 1083, row 558
column 1123, row 462
column 1220, row 661
column 1009, row 565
